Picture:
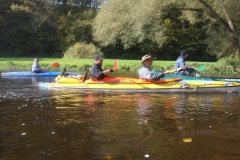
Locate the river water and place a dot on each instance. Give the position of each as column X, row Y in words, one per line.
column 63, row 124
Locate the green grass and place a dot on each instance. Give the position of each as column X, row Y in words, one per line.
column 82, row 64
column 223, row 66
column 24, row 64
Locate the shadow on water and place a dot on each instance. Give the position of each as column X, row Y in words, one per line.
column 62, row 124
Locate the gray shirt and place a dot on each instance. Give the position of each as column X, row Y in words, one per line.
column 36, row 67
column 148, row 74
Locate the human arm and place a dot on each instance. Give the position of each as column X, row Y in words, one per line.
column 98, row 73
column 107, row 72
column 146, row 73
column 180, row 65
column 156, row 77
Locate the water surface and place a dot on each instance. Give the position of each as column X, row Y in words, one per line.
column 62, row 124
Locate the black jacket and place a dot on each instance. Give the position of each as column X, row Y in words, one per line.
column 97, row 72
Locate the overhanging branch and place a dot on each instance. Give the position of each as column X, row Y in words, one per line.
column 188, row 9
column 216, row 16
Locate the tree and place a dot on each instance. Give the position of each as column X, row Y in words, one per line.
column 39, row 28
column 133, row 21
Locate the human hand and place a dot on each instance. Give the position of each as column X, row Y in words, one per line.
column 159, row 76
column 162, row 75
column 167, row 72
column 111, row 70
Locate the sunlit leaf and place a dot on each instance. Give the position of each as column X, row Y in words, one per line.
column 187, row 140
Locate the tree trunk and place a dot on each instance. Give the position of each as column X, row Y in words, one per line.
column 228, row 26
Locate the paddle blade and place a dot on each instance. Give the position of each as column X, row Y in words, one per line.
column 64, row 71
column 116, row 66
column 201, row 68
column 55, row 64
column 84, row 76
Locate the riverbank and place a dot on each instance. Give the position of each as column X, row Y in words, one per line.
column 82, row 64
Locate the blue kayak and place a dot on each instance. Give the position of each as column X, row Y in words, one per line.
column 47, row 73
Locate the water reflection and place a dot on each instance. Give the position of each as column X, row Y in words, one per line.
column 63, row 124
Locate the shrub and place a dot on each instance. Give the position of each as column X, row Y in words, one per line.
column 228, row 65
column 82, row 50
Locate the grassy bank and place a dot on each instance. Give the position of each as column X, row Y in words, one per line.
column 82, row 64
column 223, row 66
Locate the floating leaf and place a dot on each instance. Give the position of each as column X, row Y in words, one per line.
column 187, row 140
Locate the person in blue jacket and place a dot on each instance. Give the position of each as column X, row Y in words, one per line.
column 181, row 62
column 145, row 71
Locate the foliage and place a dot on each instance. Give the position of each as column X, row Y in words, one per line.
column 38, row 28
column 189, row 24
column 128, row 23
column 27, row 30
column 159, row 31
column 82, row 50
column 228, row 65
column 121, row 28
column 223, row 25
column 76, row 27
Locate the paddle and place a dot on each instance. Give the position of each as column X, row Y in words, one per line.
column 116, row 66
column 84, row 76
column 177, row 69
column 54, row 65
column 63, row 72
column 201, row 68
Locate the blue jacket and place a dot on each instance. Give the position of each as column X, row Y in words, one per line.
column 180, row 62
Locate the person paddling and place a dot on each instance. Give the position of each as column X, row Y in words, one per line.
column 97, row 73
column 145, row 71
column 180, row 63
column 36, row 67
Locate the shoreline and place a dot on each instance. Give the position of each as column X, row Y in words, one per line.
column 17, row 64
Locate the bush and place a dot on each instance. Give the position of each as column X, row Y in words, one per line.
column 227, row 65
column 82, row 50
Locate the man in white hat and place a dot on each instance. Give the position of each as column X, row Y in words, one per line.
column 145, row 71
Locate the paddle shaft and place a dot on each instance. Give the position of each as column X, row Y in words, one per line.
column 174, row 70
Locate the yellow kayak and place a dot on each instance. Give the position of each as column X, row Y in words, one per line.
column 134, row 84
